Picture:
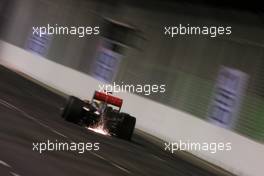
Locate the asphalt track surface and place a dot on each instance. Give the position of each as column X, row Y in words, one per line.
column 29, row 113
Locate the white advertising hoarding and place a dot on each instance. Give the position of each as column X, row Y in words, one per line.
column 39, row 44
column 106, row 64
column 227, row 97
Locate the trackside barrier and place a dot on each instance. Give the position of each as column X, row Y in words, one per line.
column 245, row 159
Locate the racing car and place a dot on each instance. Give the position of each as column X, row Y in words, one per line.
column 104, row 109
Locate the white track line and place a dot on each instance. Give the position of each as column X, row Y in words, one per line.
column 110, row 162
column 120, row 167
column 154, row 156
column 7, row 165
column 10, row 106
column 99, row 156
column 14, row 174
column 4, row 164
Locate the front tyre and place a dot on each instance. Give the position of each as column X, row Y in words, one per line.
column 126, row 127
column 73, row 111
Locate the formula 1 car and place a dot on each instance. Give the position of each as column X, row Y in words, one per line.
column 104, row 108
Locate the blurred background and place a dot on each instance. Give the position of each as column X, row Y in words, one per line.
column 217, row 81
column 188, row 65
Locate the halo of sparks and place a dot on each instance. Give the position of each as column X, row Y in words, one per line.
column 99, row 129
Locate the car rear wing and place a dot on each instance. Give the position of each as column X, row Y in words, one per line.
column 108, row 99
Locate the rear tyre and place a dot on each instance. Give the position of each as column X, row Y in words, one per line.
column 126, row 126
column 73, row 110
